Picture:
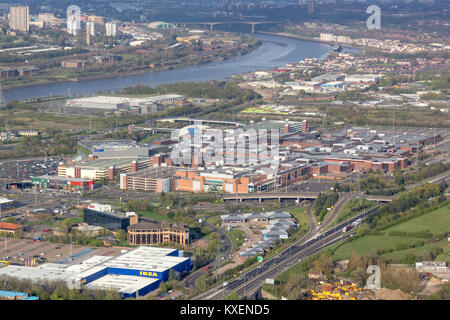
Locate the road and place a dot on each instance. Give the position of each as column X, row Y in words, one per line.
column 251, row 281
column 335, row 211
column 191, row 279
column 294, row 196
column 248, row 283
column 226, row 250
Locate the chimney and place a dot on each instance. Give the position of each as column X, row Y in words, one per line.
column 305, row 126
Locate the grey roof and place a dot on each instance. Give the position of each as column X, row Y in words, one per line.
column 257, row 216
column 279, row 214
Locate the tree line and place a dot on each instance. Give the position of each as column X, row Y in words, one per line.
column 212, row 90
column 322, row 203
column 55, row 290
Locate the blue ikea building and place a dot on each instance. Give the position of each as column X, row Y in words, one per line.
column 150, row 264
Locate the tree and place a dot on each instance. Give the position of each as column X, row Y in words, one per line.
column 323, row 264
column 121, row 235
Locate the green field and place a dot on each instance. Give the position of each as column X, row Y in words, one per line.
column 214, row 221
column 237, row 236
column 370, row 243
column 444, row 244
column 300, row 215
column 153, row 215
column 437, row 221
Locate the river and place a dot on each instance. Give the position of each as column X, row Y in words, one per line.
column 274, row 51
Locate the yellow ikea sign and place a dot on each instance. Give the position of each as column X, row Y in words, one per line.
column 149, row 274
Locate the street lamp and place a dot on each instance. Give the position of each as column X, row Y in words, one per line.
column 70, row 236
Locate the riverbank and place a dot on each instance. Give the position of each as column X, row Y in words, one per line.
column 294, row 36
column 40, row 82
column 272, row 51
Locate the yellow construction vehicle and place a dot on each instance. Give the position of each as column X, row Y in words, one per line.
column 3, row 263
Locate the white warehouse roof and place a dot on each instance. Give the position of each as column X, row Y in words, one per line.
column 121, row 283
column 146, row 258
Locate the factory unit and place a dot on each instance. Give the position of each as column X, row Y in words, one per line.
column 114, row 149
column 7, row 204
column 127, row 286
column 103, row 169
column 139, row 105
column 13, row 295
column 133, row 273
column 62, row 183
column 333, row 86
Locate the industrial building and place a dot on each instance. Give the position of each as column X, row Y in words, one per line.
column 329, row 77
column 13, row 295
column 103, row 169
column 147, row 233
column 7, row 204
column 114, row 149
column 127, row 286
column 362, row 78
column 133, row 273
column 62, row 183
column 285, row 126
column 135, row 105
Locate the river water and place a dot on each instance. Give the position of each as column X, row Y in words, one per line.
column 274, row 51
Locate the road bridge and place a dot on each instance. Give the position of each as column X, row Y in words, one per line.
column 214, row 23
column 156, row 129
column 292, row 196
column 191, row 120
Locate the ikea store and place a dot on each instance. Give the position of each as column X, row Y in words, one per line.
column 133, row 273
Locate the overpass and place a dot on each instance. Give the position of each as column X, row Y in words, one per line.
column 292, row 196
column 156, row 129
column 190, row 120
column 212, row 24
